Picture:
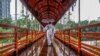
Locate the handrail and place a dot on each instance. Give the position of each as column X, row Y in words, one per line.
column 90, row 25
column 92, row 33
column 20, row 46
column 79, row 34
column 85, row 48
column 11, row 26
column 86, row 26
column 19, row 38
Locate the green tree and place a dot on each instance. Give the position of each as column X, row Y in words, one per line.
column 21, row 22
column 59, row 26
column 85, row 22
column 71, row 24
column 6, row 21
column 93, row 29
column 94, row 22
column 35, row 24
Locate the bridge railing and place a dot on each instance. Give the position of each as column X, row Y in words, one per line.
column 74, row 38
column 18, row 37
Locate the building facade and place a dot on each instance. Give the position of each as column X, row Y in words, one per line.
column 64, row 19
column 5, row 8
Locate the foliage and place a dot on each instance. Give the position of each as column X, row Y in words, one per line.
column 21, row 22
column 35, row 24
column 1, row 29
column 5, row 30
column 94, row 29
column 94, row 22
column 71, row 24
column 26, row 22
column 59, row 26
column 8, row 40
column 6, row 21
column 85, row 22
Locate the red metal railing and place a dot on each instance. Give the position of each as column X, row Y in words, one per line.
column 20, row 38
column 73, row 38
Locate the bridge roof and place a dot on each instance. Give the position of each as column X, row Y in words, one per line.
column 47, row 11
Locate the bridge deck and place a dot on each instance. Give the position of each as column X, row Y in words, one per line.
column 40, row 48
column 57, row 49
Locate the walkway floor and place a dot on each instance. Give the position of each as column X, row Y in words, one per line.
column 58, row 49
column 48, row 50
column 63, row 50
column 40, row 48
column 34, row 50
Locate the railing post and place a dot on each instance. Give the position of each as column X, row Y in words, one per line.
column 32, row 35
column 29, row 34
column 26, row 36
column 69, row 40
column 61, row 38
column 69, row 36
column 36, row 43
column 16, row 41
column 32, row 42
column 64, row 46
column 79, row 41
column 26, row 41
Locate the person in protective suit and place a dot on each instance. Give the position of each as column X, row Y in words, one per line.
column 50, row 31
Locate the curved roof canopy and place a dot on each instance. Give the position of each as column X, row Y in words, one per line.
column 47, row 11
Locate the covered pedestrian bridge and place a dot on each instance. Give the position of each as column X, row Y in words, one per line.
column 67, row 42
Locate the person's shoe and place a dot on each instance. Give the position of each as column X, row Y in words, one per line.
column 51, row 44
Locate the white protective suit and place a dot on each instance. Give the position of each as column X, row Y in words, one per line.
column 50, row 30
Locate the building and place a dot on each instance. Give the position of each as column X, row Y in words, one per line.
column 5, row 8
column 64, row 19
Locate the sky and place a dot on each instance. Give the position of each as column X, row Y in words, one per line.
column 90, row 10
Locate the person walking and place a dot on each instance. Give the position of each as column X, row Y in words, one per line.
column 50, row 31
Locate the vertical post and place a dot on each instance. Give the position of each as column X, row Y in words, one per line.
column 79, row 31
column 61, row 38
column 16, row 41
column 26, row 41
column 64, row 46
column 69, row 35
column 32, row 35
column 36, row 43
column 96, row 42
column 69, row 40
column 32, row 42
column 16, row 11
column 79, row 41
column 69, row 14
column 79, row 12
column 26, row 36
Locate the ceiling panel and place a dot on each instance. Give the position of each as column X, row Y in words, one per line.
column 48, row 10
